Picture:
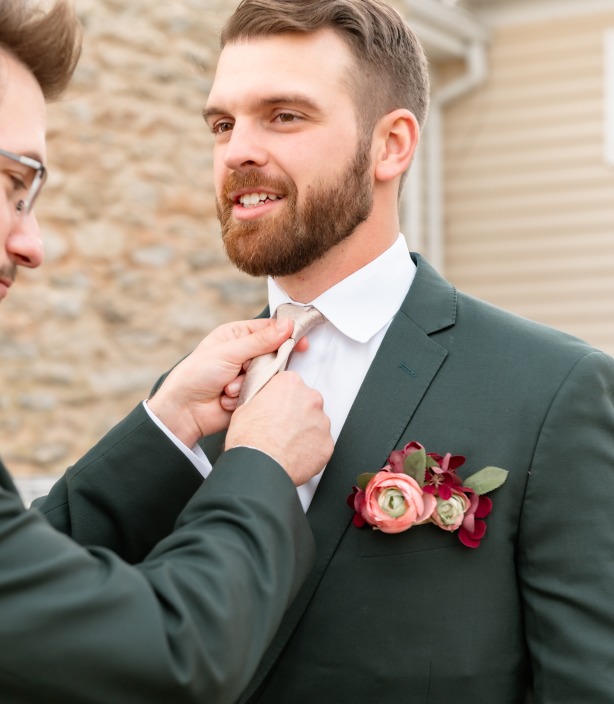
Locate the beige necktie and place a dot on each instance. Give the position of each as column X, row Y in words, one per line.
column 262, row 369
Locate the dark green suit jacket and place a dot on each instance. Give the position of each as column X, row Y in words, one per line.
column 187, row 624
column 416, row 617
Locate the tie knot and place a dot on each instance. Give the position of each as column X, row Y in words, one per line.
column 304, row 318
column 263, row 368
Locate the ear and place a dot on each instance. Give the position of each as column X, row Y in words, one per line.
column 395, row 139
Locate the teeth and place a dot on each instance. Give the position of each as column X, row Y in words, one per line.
column 249, row 200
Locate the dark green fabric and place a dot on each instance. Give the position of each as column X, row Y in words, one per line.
column 417, row 617
column 126, row 492
column 187, row 624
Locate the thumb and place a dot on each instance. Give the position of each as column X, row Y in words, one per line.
column 266, row 339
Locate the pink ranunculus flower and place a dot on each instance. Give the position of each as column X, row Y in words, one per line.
column 394, row 502
column 449, row 513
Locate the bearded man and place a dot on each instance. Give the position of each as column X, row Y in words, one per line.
column 316, row 108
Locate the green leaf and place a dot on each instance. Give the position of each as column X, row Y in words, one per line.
column 415, row 465
column 487, row 479
column 364, row 479
column 430, row 462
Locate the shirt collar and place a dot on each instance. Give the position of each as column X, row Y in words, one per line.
column 360, row 305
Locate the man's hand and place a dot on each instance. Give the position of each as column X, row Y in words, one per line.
column 286, row 420
column 198, row 396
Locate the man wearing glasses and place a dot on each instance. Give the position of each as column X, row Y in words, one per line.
column 25, row 177
column 28, row 176
column 191, row 620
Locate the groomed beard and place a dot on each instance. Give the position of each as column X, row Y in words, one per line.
column 8, row 271
column 286, row 243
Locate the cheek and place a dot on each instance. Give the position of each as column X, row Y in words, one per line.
column 219, row 177
column 220, row 170
column 320, row 164
column 6, row 219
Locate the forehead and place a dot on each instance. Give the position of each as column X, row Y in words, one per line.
column 316, row 64
column 22, row 110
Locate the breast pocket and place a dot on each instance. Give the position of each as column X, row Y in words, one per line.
column 375, row 543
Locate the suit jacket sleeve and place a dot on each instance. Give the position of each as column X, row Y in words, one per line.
column 566, row 545
column 125, row 494
column 188, row 624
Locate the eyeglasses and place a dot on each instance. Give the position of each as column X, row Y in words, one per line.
column 26, row 175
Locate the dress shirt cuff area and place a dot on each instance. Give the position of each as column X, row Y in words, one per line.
column 195, row 454
column 305, row 491
column 198, row 458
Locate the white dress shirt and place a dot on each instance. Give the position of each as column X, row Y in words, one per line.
column 358, row 312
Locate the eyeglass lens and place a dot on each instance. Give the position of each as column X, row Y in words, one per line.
column 22, row 181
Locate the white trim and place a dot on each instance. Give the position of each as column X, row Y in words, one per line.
column 528, row 11
column 438, row 44
column 608, row 113
column 445, row 32
column 412, row 204
column 452, row 20
column 452, row 31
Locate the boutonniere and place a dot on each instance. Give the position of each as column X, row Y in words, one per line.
column 417, row 487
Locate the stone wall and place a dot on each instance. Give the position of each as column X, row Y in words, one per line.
column 135, row 273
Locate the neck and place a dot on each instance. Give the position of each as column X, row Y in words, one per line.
column 366, row 243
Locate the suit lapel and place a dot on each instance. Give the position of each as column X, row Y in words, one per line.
column 401, row 373
column 398, row 378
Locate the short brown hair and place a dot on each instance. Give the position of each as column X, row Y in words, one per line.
column 392, row 68
column 48, row 43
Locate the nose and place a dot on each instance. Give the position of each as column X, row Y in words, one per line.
column 245, row 148
column 24, row 244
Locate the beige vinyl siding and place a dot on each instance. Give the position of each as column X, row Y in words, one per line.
column 529, row 198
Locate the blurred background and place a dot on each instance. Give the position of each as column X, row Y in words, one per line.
column 511, row 197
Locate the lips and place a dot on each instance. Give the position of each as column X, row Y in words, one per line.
column 249, row 194
column 5, row 284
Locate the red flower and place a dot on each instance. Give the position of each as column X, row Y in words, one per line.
column 441, row 479
column 356, row 501
column 473, row 529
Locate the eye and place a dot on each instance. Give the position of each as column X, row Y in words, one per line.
column 286, row 117
column 14, row 186
column 18, row 183
column 221, row 126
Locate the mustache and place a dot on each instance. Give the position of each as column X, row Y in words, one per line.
column 253, row 178
column 8, row 272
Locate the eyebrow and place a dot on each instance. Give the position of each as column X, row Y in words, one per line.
column 34, row 155
column 290, row 99
column 31, row 155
